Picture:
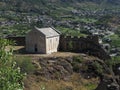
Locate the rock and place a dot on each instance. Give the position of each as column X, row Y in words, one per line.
column 36, row 64
column 112, row 86
column 55, row 68
column 108, row 84
column 116, row 69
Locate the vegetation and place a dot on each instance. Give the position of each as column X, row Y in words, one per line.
column 19, row 30
column 115, row 40
column 76, row 83
column 104, row 19
column 90, row 86
column 25, row 63
column 70, row 32
column 98, row 67
column 77, row 60
column 10, row 76
column 115, row 60
column 88, row 20
column 16, row 12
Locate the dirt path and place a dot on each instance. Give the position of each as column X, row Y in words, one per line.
column 57, row 54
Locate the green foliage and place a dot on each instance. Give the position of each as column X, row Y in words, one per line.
column 10, row 76
column 69, row 31
column 17, row 30
column 90, row 86
column 88, row 20
column 115, row 40
column 5, row 55
column 25, row 63
column 10, row 79
column 118, row 31
column 98, row 67
column 115, row 60
column 104, row 19
column 77, row 60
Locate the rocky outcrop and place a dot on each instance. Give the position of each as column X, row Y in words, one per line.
column 63, row 67
column 110, row 80
column 55, row 68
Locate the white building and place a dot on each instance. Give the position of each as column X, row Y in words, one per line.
column 42, row 40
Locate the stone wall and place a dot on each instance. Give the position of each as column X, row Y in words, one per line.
column 87, row 45
column 19, row 41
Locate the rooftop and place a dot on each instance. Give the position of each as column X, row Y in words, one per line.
column 48, row 32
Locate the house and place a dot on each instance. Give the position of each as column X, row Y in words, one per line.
column 42, row 40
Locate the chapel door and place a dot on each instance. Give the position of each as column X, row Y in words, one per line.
column 36, row 49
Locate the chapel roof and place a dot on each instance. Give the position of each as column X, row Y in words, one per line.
column 48, row 32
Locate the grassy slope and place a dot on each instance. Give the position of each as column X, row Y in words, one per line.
column 76, row 83
column 39, row 4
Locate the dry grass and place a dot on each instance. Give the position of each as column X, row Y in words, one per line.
column 75, row 83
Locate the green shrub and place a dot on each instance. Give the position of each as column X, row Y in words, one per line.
column 26, row 65
column 76, row 63
column 115, row 40
column 76, row 67
column 113, row 61
column 90, row 86
column 78, row 59
column 10, row 76
column 98, row 67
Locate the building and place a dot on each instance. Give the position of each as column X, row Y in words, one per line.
column 42, row 40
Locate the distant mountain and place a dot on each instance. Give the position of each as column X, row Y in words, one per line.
column 27, row 5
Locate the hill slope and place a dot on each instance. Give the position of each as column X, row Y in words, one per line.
column 30, row 5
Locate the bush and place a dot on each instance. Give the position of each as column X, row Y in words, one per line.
column 98, row 67
column 113, row 61
column 26, row 65
column 76, row 67
column 78, row 59
column 10, row 76
column 90, row 86
column 76, row 63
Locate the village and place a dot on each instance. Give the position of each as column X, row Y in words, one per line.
column 103, row 31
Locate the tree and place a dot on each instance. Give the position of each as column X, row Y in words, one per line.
column 10, row 76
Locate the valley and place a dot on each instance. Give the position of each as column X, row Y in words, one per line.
column 65, row 70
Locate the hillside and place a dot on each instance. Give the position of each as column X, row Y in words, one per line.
column 36, row 5
column 18, row 16
column 66, row 71
column 63, row 70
